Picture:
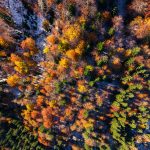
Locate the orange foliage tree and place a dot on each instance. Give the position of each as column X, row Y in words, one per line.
column 29, row 45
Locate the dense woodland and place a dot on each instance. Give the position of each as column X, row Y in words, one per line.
column 74, row 74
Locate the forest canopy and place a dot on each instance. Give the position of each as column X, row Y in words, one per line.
column 74, row 74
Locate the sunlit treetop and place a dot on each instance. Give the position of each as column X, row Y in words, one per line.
column 140, row 27
column 13, row 80
column 72, row 32
column 29, row 45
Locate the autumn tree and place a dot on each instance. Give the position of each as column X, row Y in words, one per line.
column 29, row 46
column 13, row 80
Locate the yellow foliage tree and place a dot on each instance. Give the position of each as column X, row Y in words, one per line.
column 72, row 54
column 21, row 67
column 80, row 47
column 72, row 32
column 13, row 80
column 3, row 42
column 46, row 50
column 81, row 87
column 63, row 63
